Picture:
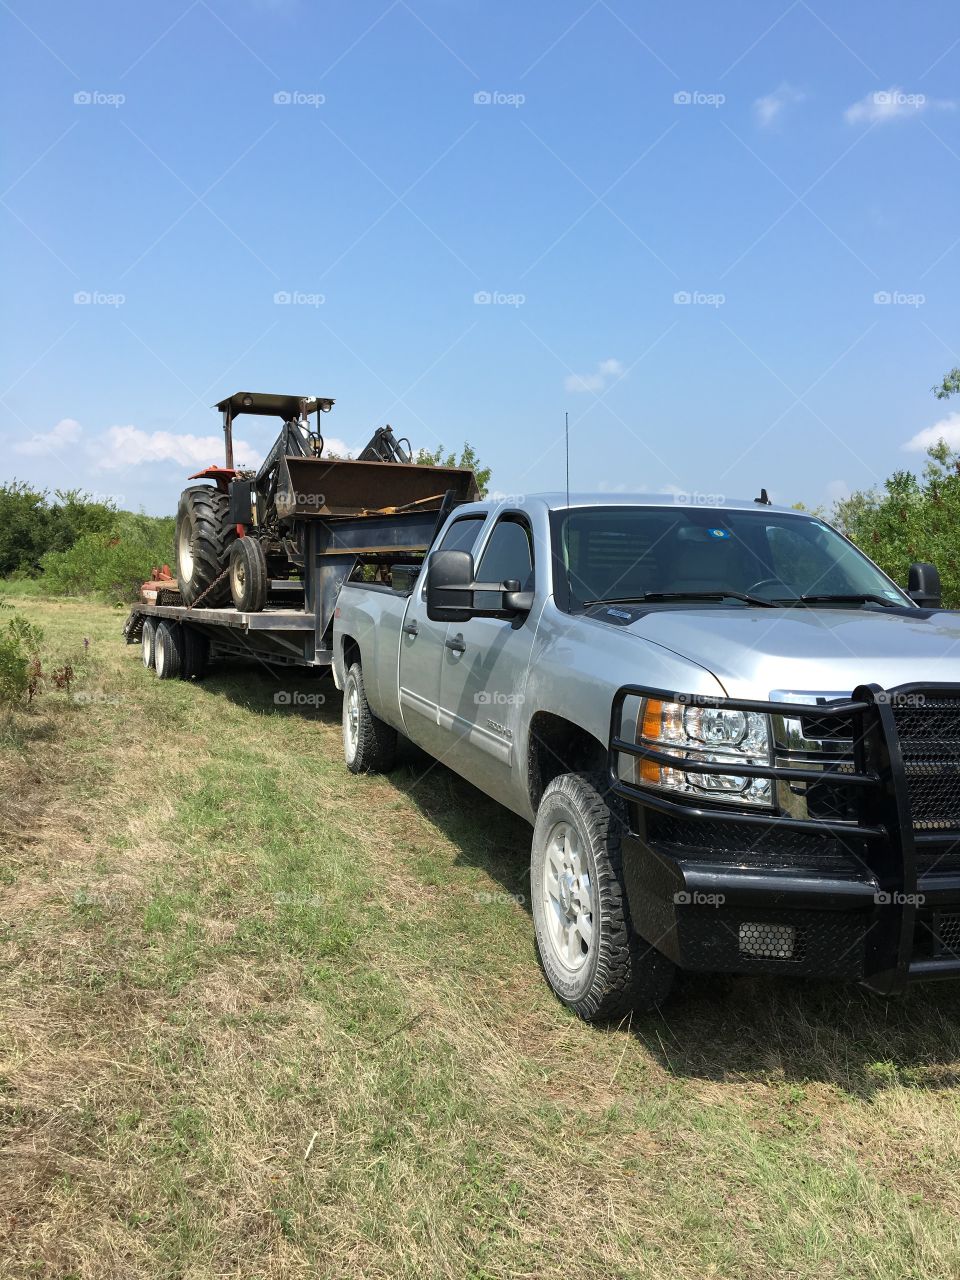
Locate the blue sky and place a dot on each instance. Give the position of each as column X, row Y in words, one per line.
column 682, row 217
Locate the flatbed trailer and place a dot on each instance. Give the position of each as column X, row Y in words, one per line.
column 346, row 526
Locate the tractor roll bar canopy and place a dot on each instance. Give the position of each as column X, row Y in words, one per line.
column 268, row 405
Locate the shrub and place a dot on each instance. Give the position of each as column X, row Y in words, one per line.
column 19, row 659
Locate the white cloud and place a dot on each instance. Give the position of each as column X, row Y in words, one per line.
column 891, row 104
column 767, row 109
column 947, row 428
column 65, row 433
column 594, row 382
column 129, row 446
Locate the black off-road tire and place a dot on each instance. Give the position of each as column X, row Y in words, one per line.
column 202, row 542
column 249, row 579
column 620, row 972
column 148, row 642
column 195, row 653
column 169, row 652
column 369, row 745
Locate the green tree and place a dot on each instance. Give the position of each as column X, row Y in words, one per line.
column 31, row 524
column 468, row 458
column 950, row 385
column 911, row 518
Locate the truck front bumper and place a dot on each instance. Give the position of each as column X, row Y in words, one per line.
column 873, row 897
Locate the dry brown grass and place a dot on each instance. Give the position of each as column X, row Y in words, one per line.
column 221, row 952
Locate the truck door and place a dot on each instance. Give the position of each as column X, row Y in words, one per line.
column 485, row 665
column 422, row 649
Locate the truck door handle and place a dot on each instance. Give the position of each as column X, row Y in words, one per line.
column 411, row 628
column 456, row 643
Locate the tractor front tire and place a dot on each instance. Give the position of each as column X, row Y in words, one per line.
column 203, row 539
column 249, row 579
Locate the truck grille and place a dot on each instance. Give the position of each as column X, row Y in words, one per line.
column 929, row 731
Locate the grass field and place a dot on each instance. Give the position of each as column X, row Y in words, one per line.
column 262, row 1018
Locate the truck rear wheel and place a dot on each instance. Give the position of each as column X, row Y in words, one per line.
column 204, row 536
column 369, row 745
column 248, row 575
column 588, row 949
column 148, row 643
column 169, row 650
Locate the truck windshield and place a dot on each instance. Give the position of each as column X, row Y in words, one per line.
column 637, row 553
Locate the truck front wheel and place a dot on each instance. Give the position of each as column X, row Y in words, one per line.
column 588, row 949
column 369, row 745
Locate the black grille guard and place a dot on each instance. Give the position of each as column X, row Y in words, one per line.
column 875, row 774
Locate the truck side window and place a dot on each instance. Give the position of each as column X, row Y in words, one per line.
column 462, row 534
column 508, row 554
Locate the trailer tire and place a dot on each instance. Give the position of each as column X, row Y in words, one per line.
column 249, row 579
column 148, row 643
column 204, row 536
column 591, row 956
column 195, row 654
column 369, row 745
column 169, row 650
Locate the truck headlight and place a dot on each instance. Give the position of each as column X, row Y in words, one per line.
column 705, row 735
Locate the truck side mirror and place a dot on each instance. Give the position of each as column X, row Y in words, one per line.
column 923, row 586
column 449, row 579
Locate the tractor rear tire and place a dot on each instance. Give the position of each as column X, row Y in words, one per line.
column 249, row 579
column 203, row 540
column 169, row 652
column 148, row 642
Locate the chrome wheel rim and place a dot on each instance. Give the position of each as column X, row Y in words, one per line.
column 351, row 721
column 568, row 897
column 185, row 551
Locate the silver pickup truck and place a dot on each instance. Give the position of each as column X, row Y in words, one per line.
column 736, row 739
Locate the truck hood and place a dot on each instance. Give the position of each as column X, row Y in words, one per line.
column 755, row 652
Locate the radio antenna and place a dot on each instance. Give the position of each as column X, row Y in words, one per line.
column 566, row 438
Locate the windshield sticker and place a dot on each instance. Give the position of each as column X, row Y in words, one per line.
column 719, row 533
column 621, row 615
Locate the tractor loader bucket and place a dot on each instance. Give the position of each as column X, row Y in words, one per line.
column 311, row 487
